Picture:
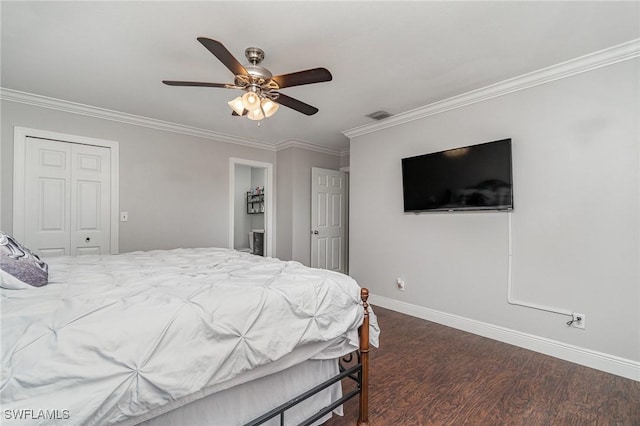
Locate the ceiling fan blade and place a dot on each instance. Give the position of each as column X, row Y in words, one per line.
column 244, row 112
column 197, row 83
column 223, row 55
column 315, row 75
column 292, row 103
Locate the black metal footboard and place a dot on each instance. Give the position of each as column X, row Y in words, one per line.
column 358, row 372
column 354, row 372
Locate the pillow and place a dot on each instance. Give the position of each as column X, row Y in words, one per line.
column 19, row 263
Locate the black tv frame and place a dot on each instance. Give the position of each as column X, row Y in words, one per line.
column 501, row 188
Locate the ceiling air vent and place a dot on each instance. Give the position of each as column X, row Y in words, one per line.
column 379, row 115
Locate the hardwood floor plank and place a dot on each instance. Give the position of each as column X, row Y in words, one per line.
column 428, row 374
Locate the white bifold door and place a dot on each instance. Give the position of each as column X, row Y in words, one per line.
column 67, row 198
column 328, row 219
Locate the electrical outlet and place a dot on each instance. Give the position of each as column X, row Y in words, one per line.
column 400, row 283
column 578, row 321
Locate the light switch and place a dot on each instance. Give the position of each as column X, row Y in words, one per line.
column 124, row 216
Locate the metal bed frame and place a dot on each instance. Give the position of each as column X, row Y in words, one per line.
column 358, row 372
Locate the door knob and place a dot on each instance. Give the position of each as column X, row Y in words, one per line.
column 87, row 239
column 315, row 232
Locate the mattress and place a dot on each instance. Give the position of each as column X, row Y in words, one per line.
column 112, row 338
column 240, row 404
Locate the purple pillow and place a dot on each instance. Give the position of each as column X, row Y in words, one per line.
column 18, row 261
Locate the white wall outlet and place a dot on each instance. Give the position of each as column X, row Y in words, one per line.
column 400, row 283
column 578, row 321
column 124, row 216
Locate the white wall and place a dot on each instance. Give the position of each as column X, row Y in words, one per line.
column 257, row 180
column 175, row 187
column 576, row 230
column 246, row 178
column 241, row 220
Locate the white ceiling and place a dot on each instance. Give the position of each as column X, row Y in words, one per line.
column 392, row 56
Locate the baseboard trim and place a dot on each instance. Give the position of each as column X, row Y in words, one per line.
column 586, row 357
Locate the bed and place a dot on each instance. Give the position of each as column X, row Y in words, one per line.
column 206, row 336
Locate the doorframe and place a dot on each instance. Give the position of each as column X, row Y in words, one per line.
column 20, row 135
column 269, row 210
column 347, row 175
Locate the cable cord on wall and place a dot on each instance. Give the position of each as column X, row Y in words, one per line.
column 510, row 298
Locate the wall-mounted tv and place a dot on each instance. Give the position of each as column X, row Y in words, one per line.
column 476, row 177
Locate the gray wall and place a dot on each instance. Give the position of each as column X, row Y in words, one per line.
column 294, row 200
column 344, row 160
column 576, row 223
column 284, row 201
column 174, row 187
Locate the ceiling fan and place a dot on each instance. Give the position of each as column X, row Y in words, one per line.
column 262, row 97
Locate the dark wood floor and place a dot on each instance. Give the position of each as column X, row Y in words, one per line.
column 428, row 374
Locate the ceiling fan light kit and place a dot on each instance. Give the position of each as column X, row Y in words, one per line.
column 261, row 98
column 255, row 115
column 236, row 105
column 269, row 107
column 251, row 101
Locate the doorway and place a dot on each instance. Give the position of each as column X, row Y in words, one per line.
column 251, row 209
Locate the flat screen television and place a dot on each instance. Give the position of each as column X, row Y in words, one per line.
column 476, row 177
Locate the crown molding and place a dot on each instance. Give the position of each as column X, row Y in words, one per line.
column 136, row 120
column 296, row 143
column 121, row 117
column 602, row 58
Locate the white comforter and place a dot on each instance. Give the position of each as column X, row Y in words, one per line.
column 112, row 337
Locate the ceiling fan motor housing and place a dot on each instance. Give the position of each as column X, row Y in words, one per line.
column 258, row 72
column 259, row 75
column 255, row 55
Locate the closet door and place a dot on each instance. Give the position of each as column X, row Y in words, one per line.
column 47, row 197
column 67, row 198
column 90, row 200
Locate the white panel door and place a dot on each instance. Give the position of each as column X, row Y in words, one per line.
column 67, row 198
column 328, row 215
column 47, row 197
column 90, row 200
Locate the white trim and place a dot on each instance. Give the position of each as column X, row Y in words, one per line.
column 20, row 135
column 121, row 117
column 269, row 207
column 602, row 58
column 593, row 359
column 308, row 146
column 1, row 228
column 136, row 120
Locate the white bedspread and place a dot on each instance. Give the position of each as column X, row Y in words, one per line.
column 112, row 337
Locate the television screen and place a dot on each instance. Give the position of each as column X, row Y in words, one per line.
column 476, row 177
